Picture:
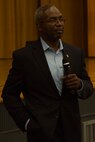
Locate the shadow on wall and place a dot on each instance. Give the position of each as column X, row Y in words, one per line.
column 8, row 129
column 87, row 107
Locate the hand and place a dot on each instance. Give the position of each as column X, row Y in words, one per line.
column 72, row 82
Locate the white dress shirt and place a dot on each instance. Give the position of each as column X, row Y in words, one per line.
column 54, row 60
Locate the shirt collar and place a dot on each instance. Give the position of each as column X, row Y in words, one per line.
column 46, row 46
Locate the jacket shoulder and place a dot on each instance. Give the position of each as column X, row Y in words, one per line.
column 72, row 47
column 29, row 45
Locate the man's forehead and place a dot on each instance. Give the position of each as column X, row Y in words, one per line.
column 53, row 11
column 53, row 8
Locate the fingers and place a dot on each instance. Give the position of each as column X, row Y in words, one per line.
column 71, row 81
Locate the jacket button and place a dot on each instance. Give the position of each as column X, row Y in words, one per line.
column 56, row 116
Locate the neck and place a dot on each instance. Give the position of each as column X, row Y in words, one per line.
column 53, row 44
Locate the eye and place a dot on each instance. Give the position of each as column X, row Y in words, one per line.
column 61, row 19
column 55, row 19
column 51, row 20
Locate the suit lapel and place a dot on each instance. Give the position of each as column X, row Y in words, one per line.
column 39, row 56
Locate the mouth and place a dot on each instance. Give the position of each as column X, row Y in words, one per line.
column 59, row 31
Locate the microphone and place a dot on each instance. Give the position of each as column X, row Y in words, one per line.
column 66, row 65
column 67, row 68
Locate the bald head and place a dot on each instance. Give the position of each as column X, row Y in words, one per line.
column 41, row 12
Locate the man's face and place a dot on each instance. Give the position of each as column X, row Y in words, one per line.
column 52, row 26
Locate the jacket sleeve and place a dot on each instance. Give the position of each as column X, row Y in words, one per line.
column 87, row 89
column 11, row 95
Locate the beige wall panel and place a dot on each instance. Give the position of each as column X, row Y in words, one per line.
column 7, row 28
column 91, row 28
column 25, row 26
column 16, row 25
column 54, row 2
column 73, row 12
column 44, row 2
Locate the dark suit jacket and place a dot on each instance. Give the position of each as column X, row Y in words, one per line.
column 30, row 75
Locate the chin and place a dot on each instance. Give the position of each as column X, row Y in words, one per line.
column 58, row 37
column 55, row 38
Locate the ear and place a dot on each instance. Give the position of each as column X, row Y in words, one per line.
column 40, row 28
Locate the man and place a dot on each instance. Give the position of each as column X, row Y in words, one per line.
column 52, row 76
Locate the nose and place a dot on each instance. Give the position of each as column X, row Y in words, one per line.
column 59, row 21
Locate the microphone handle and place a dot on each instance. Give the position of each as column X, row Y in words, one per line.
column 67, row 70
